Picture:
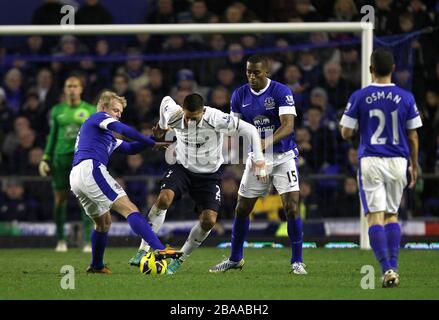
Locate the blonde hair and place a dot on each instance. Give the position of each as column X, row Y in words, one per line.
column 107, row 97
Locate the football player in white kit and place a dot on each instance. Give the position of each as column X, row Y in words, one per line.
column 199, row 130
column 269, row 105
column 386, row 118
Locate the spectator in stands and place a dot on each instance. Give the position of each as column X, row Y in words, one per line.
column 137, row 190
column 293, row 79
column 157, row 85
column 309, row 206
column 309, row 67
column 19, row 157
column 347, row 203
column 421, row 17
column 303, row 140
column 120, row 86
column 135, row 70
column 305, row 10
column 236, row 61
column 226, row 78
column 351, row 65
column 352, row 165
column 216, row 44
column 6, row 116
column 338, row 89
column 229, row 190
column 33, row 110
column 163, row 14
column 345, row 11
column 322, row 137
column 145, row 109
column 198, row 13
column 11, row 142
column 186, row 81
column 15, row 204
column 13, row 82
column 329, row 54
column 93, row 12
column 220, row 99
column 48, row 13
column 47, row 91
column 386, row 17
column 176, row 44
column 319, row 98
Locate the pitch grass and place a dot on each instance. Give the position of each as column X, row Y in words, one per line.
column 333, row 274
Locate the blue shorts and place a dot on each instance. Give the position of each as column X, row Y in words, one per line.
column 203, row 188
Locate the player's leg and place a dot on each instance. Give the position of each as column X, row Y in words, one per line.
column 87, row 226
column 99, row 238
column 373, row 200
column 157, row 213
column 60, row 213
column 393, row 235
column 198, row 234
column 286, row 182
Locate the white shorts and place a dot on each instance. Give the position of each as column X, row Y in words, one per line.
column 381, row 183
column 283, row 175
column 94, row 187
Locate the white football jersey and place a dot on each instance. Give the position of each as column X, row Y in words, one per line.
column 199, row 145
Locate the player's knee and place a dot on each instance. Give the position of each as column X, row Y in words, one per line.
column 292, row 210
column 208, row 220
column 103, row 225
column 242, row 210
column 164, row 199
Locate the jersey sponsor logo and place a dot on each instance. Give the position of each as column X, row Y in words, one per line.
column 261, row 121
column 269, row 103
column 382, row 95
column 290, row 100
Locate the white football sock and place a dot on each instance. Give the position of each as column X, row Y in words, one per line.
column 196, row 237
column 156, row 217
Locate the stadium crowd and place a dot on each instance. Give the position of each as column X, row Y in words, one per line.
column 321, row 80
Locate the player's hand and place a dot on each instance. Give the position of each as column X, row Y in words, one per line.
column 158, row 132
column 44, row 168
column 413, row 177
column 260, row 170
column 161, row 146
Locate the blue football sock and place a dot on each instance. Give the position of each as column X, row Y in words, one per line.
column 239, row 233
column 378, row 242
column 295, row 234
column 98, row 244
column 393, row 234
column 141, row 227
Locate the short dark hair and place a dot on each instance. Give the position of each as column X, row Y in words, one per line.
column 257, row 59
column 193, row 102
column 382, row 62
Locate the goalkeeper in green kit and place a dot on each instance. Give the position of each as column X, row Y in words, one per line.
column 65, row 121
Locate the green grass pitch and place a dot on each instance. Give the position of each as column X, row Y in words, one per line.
column 333, row 274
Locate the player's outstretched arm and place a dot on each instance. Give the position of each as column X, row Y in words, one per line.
column 128, row 132
column 136, row 147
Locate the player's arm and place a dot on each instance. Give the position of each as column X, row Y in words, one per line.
column 346, row 133
column 117, row 126
column 44, row 167
column 286, row 128
column 132, row 147
column 414, row 150
column 349, row 120
column 170, row 112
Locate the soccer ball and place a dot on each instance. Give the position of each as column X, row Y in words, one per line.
column 149, row 265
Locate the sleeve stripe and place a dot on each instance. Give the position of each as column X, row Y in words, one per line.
column 106, row 122
column 414, row 123
column 348, row 122
column 287, row 110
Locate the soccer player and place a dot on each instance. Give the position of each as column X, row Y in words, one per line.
column 199, row 131
column 97, row 191
column 66, row 119
column 270, row 106
column 386, row 118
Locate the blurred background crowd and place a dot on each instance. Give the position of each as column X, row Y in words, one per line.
column 144, row 68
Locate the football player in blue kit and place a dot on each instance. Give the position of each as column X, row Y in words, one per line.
column 386, row 118
column 96, row 190
column 269, row 105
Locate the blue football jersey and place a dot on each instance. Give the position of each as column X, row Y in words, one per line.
column 94, row 140
column 382, row 113
column 263, row 110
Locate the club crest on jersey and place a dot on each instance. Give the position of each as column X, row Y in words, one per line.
column 269, row 103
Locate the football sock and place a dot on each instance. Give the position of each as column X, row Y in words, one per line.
column 239, row 233
column 156, row 219
column 98, row 244
column 196, row 237
column 60, row 219
column 141, row 227
column 296, row 238
column 87, row 225
column 393, row 234
column 378, row 242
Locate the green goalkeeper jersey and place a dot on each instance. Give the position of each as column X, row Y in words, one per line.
column 65, row 122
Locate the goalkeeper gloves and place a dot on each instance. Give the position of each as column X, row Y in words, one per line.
column 44, row 168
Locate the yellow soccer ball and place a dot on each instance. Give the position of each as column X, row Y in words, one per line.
column 149, row 265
